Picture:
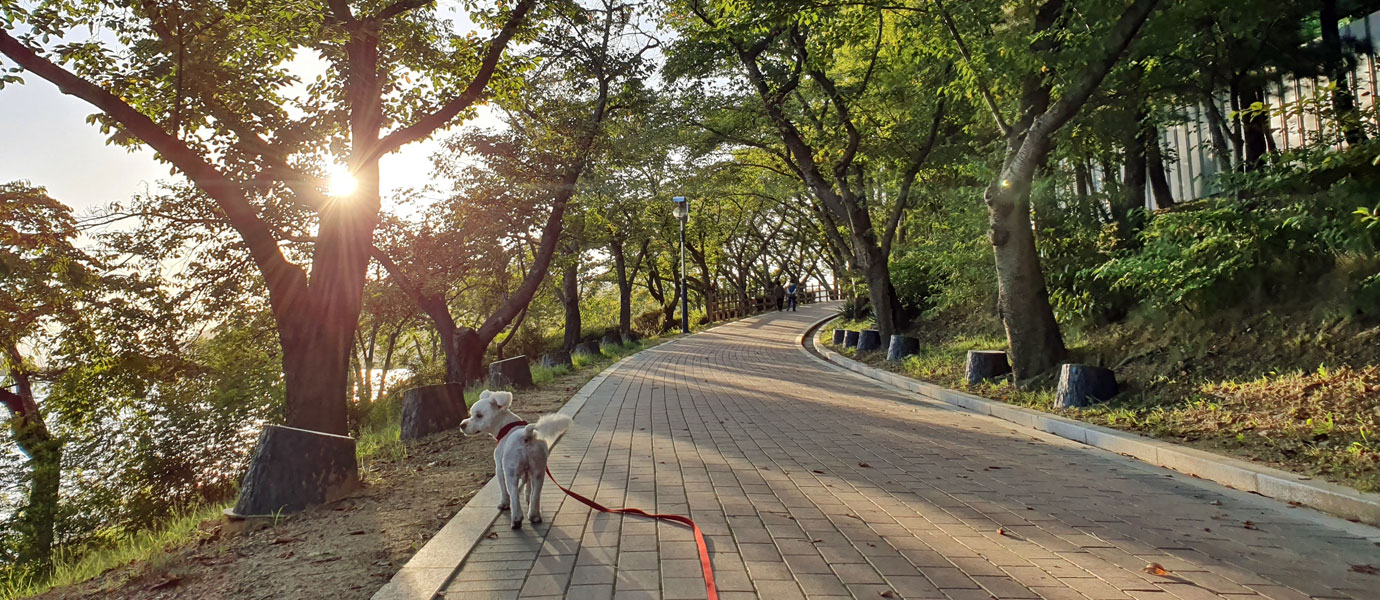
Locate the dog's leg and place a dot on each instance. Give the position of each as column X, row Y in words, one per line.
column 511, row 478
column 534, row 496
column 502, row 485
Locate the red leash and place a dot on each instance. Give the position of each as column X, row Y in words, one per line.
column 705, row 565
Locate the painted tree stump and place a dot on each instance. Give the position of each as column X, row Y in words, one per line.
column 612, row 339
column 838, row 336
column 869, row 340
column 513, row 372
column 293, row 469
column 432, row 408
column 590, row 347
column 902, row 346
column 1079, row 385
column 983, row 365
column 850, row 339
column 558, row 358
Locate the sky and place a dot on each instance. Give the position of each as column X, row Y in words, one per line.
column 45, row 140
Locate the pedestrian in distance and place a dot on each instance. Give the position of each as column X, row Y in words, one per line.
column 778, row 295
column 791, row 294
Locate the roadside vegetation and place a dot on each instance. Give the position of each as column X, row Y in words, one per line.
column 1182, row 191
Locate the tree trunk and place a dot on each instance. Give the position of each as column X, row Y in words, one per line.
column 1343, row 100
column 886, row 307
column 1154, row 166
column 36, row 520
column 1080, row 180
column 1133, row 186
column 620, row 267
column 570, row 298
column 1023, row 301
column 464, row 352
column 1254, row 126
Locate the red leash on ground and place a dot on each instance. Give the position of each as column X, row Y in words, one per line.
column 705, row 565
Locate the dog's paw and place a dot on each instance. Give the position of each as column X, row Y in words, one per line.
column 517, row 523
column 502, row 507
column 536, row 519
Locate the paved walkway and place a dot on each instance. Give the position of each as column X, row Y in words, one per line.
column 810, row 482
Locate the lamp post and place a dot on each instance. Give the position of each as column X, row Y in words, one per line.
column 682, row 213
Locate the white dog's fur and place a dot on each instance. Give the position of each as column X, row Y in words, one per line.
column 520, row 457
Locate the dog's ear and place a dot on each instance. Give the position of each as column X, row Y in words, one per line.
column 484, row 395
column 502, row 399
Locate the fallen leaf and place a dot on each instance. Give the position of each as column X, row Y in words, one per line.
column 1249, row 525
column 493, row 535
column 1216, row 503
column 1367, row 569
column 1156, row 569
column 1001, row 531
column 286, row 540
column 357, row 532
column 887, row 594
column 817, row 471
column 865, row 465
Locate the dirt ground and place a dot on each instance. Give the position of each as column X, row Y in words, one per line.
column 345, row 550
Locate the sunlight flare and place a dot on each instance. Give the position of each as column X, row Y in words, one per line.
column 340, row 183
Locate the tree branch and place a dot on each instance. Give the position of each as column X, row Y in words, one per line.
column 430, row 123
column 968, row 58
column 282, row 277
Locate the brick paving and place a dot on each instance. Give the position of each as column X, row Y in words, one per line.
column 812, row 483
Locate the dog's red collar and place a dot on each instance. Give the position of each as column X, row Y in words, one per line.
column 508, row 428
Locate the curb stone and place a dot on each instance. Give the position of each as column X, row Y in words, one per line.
column 1272, row 483
column 428, row 571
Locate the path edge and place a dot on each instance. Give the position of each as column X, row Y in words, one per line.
column 1276, row 484
column 428, row 571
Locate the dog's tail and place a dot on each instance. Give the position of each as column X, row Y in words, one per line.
column 547, row 428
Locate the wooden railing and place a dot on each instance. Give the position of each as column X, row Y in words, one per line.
column 733, row 307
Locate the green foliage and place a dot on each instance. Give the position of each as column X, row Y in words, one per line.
column 1228, row 250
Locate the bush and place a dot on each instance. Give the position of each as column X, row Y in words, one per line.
column 1229, row 250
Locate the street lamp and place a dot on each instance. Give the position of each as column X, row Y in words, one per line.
column 682, row 213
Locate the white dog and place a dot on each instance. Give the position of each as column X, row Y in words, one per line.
column 520, row 457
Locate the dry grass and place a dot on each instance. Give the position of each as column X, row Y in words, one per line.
column 1258, row 387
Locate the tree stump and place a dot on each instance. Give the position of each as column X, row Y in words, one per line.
column 558, row 358
column 632, row 337
column 612, row 339
column 432, row 408
column 850, row 339
column 838, row 336
column 869, row 340
column 512, row 372
column 1078, row 383
column 983, row 365
column 293, row 469
column 590, row 347
column 902, row 346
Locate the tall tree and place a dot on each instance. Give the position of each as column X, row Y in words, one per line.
column 1036, row 343
column 822, row 81
column 202, row 83
column 595, row 59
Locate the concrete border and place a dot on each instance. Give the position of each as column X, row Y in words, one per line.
column 428, row 571
column 1273, row 483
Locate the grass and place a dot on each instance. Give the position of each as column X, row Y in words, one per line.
column 1295, row 390
column 378, row 441
column 116, row 548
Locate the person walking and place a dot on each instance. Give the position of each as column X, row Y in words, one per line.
column 778, row 295
column 791, row 290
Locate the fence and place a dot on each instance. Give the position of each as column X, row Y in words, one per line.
column 723, row 309
column 1191, row 163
